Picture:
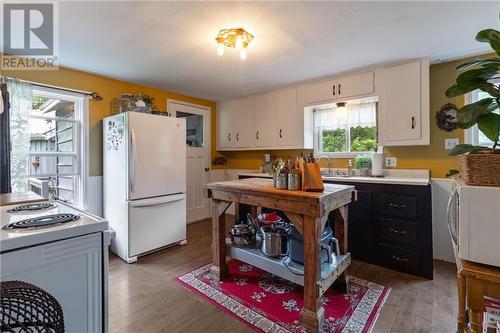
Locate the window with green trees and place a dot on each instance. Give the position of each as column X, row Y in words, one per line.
column 351, row 129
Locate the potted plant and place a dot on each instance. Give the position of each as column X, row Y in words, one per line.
column 479, row 165
column 363, row 163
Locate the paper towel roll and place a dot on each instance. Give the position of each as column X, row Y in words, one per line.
column 377, row 164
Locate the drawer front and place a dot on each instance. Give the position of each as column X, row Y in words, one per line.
column 398, row 205
column 397, row 258
column 395, row 231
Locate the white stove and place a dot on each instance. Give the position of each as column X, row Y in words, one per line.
column 29, row 224
column 62, row 250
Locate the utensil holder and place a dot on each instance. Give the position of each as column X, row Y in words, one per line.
column 311, row 178
column 294, row 181
column 282, row 181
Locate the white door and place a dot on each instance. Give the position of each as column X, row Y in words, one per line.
column 157, row 151
column 197, row 140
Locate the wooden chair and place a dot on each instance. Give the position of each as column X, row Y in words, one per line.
column 475, row 281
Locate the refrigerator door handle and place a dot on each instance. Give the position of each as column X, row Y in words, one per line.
column 132, row 161
column 157, row 201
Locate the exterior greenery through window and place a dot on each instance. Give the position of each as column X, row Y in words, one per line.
column 349, row 129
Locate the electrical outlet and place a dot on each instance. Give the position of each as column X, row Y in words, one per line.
column 450, row 143
column 391, row 162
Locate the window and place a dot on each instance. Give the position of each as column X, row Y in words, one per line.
column 472, row 135
column 346, row 129
column 47, row 154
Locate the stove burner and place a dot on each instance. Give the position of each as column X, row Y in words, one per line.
column 42, row 221
column 31, row 207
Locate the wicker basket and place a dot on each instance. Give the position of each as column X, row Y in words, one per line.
column 480, row 169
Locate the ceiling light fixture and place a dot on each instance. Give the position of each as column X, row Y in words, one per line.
column 237, row 38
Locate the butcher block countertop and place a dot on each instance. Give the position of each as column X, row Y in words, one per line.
column 19, row 198
column 264, row 187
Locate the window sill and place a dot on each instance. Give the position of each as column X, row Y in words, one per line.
column 341, row 155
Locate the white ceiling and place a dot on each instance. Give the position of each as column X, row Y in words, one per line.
column 170, row 45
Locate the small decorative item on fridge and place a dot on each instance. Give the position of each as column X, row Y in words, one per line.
column 136, row 103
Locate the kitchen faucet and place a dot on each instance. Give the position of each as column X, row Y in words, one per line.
column 329, row 163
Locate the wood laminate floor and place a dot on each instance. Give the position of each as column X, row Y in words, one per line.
column 143, row 297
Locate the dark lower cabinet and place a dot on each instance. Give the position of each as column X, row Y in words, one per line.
column 391, row 226
column 360, row 228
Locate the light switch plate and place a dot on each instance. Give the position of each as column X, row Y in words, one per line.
column 391, row 162
column 450, row 143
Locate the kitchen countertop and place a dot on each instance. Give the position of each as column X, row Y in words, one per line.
column 397, row 177
column 19, row 198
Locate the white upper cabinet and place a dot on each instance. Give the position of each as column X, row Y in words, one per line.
column 243, row 122
column 225, row 124
column 263, row 120
column 283, row 119
column 404, row 104
column 341, row 88
column 287, row 118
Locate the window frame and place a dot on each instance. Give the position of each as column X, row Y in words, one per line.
column 318, row 142
column 80, row 144
column 471, row 135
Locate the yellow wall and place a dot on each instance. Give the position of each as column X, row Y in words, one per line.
column 108, row 89
column 433, row 156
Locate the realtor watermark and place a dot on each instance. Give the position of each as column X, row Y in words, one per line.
column 30, row 35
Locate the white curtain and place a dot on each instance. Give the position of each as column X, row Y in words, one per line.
column 359, row 113
column 21, row 94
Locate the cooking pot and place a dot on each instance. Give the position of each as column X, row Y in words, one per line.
column 274, row 239
column 243, row 233
column 329, row 244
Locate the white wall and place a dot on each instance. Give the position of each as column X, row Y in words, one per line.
column 441, row 240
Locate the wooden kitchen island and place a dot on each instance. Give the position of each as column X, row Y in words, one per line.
column 309, row 212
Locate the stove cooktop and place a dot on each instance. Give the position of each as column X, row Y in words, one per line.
column 31, row 207
column 42, row 221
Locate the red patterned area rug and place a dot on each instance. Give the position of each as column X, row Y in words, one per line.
column 268, row 303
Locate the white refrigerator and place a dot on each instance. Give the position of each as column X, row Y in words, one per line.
column 144, row 182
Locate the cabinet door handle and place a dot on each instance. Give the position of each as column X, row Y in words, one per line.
column 237, row 136
column 333, row 90
column 257, row 135
column 229, row 137
column 339, row 89
column 207, row 169
column 400, row 259
column 394, row 205
column 399, row 232
column 412, row 122
column 281, row 133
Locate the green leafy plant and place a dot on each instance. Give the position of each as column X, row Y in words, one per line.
column 476, row 75
column 363, row 162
